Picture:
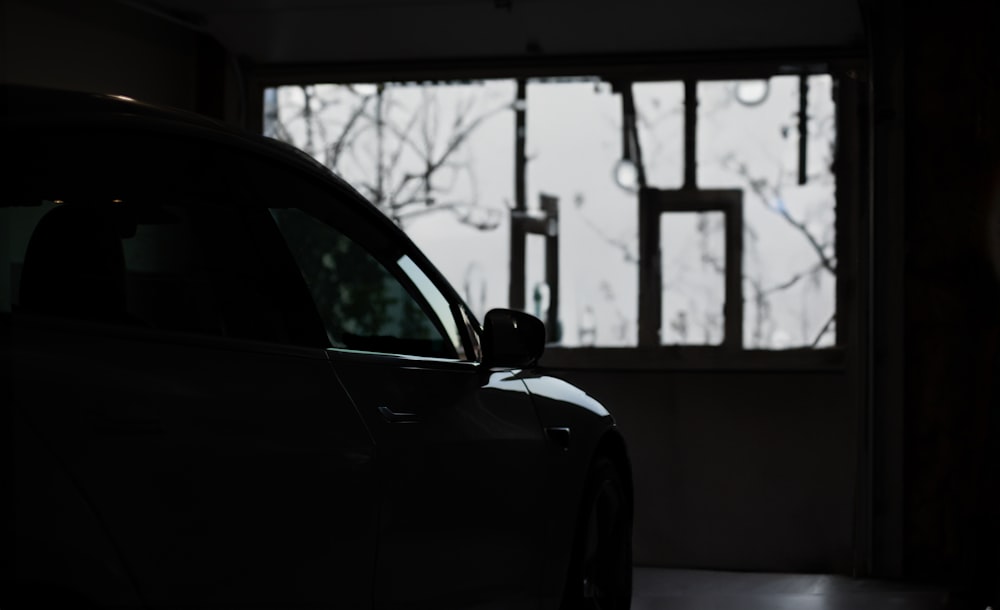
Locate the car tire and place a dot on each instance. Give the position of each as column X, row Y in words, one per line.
column 600, row 571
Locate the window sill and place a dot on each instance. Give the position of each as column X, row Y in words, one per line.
column 694, row 359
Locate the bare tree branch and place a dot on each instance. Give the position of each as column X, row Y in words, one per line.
column 792, row 280
column 342, row 141
column 618, row 244
column 823, row 330
column 759, row 188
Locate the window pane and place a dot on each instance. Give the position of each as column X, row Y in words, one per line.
column 693, row 267
column 103, row 230
column 173, row 267
column 536, row 291
column 439, row 304
column 169, row 287
column 574, row 144
column 748, row 138
column 362, row 302
column 660, row 120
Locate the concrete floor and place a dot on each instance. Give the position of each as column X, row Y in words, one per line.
column 664, row 589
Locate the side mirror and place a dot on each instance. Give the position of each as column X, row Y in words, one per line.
column 512, row 338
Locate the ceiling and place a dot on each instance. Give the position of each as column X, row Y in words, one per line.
column 295, row 32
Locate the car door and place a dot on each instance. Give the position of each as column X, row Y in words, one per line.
column 460, row 449
column 155, row 354
column 224, row 473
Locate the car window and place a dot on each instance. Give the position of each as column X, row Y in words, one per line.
column 146, row 231
column 369, row 302
column 437, row 301
column 190, row 268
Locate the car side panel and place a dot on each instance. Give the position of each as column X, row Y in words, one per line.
column 461, row 469
column 57, row 539
column 562, row 406
column 225, row 472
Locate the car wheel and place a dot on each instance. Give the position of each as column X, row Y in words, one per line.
column 600, row 573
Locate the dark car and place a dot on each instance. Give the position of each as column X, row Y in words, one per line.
column 233, row 382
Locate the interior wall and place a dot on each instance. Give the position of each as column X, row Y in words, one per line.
column 737, row 470
column 108, row 47
column 885, row 263
column 952, row 287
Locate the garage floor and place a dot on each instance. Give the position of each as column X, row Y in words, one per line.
column 663, row 589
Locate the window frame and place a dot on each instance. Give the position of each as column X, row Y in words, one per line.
column 655, row 203
column 850, row 74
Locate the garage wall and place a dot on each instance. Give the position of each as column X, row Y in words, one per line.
column 737, row 470
column 110, row 47
column 951, row 317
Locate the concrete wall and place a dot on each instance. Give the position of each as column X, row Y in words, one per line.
column 737, row 470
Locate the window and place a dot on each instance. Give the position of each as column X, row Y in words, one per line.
column 381, row 304
column 167, row 267
column 752, row 135
column 101, row 230
column 573, row 143
column 556, row 154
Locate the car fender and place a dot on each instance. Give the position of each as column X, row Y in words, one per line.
column 578, row 427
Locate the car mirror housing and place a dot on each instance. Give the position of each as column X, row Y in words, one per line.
column 512, row 338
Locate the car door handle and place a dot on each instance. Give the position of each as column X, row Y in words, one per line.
column 397, row 417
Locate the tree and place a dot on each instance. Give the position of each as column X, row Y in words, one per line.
column 399, row 146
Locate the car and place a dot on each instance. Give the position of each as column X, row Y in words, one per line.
column 233, row 382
